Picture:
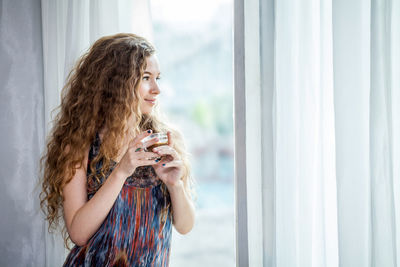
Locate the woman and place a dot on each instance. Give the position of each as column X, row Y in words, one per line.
column 119, row 201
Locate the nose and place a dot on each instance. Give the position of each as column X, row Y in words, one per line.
column 155, row 89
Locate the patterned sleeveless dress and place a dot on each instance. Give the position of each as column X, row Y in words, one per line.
column 134, row 233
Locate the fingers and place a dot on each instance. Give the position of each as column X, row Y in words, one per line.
column 138, row 138
column 150, row 142
column 166, row 150
column 174, row 163
column 146, row 158
column 139, row 144
column 146, row 162
column 148, row 155
column 143, row 146
column 170, row 141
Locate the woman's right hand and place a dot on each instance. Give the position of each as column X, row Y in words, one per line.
column 135, row 156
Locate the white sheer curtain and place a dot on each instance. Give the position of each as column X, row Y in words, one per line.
column 385, row 133
column 305, row 185
column 322, row 87
column 69, row 28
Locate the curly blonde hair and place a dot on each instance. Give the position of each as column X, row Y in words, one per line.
column 101, row 91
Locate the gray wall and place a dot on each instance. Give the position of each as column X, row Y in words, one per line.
column 21, row 133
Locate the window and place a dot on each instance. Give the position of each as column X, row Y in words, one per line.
column 194, row 43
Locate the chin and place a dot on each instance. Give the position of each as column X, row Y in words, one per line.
column 146, row 112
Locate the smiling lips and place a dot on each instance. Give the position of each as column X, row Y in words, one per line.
column 152, row 101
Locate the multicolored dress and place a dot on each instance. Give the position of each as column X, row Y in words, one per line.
column 135, row 232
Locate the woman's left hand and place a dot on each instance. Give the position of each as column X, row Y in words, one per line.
column 170, row 168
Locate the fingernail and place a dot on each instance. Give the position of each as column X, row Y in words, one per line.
column 149, row 131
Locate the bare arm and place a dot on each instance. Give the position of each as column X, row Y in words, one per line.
column 83, row 217
column 183, row 209
column 170, row 171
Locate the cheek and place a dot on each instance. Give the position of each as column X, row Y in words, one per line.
column 141, row 92
column 144, row 89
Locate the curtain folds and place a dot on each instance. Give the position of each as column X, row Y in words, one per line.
column 21, row 133
column 383, row 129
column 305, row 185
column 331, row 195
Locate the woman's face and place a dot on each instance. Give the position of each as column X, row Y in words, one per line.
column 149, row 89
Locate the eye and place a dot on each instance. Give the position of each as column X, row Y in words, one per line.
column 146, row 78
column 158, row 78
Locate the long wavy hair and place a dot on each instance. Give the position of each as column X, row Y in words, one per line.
column 101, row 91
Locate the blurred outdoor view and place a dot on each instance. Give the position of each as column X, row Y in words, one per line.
column 194, row 43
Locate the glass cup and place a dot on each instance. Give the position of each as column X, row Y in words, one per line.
column 162, row 140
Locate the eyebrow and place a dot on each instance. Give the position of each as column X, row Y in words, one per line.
column 147, row 72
